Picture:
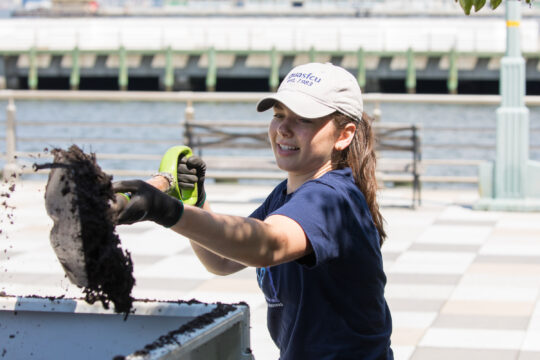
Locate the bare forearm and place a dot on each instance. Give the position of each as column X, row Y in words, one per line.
column 213, row 262
column 246, row 241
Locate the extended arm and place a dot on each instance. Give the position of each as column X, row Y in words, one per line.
column 246, row 241
column 213, row 262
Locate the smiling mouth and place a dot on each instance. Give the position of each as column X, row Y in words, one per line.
column 287, row 148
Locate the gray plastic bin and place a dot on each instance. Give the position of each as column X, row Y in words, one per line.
column 43, row 328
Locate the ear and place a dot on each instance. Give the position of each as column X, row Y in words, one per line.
column 345, row 137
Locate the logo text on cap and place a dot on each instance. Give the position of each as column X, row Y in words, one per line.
column 303, row 78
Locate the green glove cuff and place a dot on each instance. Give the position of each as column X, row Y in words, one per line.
column 169, row 164
column 203, row 200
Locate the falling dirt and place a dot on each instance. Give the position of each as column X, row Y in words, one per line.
column 108, row 268
column 6, row 219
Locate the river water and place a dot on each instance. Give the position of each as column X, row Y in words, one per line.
column 474, row 140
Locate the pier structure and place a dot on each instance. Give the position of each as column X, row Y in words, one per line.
column 441, row 55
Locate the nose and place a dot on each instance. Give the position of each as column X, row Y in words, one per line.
column 284, row 128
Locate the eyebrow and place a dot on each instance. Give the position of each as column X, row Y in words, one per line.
column 278, row 105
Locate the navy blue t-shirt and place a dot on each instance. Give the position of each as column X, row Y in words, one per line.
column 329, row 304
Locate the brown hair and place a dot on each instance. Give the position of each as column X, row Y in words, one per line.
column 360, row 157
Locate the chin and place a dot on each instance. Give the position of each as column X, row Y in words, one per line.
column 284, row 166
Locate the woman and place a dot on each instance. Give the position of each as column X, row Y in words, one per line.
column 315, row 240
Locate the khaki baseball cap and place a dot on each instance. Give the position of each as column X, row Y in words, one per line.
column 315, row 90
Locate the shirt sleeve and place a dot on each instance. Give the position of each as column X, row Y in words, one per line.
column 259, row 213
column 271, row 202
column 317, row 207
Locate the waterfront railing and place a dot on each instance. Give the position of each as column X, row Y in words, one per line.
column 14, row 157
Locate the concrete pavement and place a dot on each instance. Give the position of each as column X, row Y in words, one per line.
column 461, row 283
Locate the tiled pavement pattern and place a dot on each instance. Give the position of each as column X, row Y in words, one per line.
column 461, row 284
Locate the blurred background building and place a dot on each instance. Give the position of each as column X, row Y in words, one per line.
column 397, row 46
column 243, row 7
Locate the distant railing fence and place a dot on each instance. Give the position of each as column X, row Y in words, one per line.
column 159, row 136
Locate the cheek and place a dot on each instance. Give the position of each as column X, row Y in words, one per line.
column 325, row 140
column 271, row 129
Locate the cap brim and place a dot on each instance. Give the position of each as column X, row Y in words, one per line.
column 301, row 104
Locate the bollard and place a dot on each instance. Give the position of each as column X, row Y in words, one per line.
column 11, row 169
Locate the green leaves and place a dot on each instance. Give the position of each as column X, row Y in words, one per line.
column 478, row 4
column 495, row 3
column 468, row 5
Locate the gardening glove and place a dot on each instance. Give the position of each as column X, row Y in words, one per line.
column 192, row 171
column 147, row 203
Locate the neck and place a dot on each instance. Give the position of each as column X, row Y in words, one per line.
column 295, row 180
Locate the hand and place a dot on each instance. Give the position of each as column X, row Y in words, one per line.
column 192, row 171
column 147, row 203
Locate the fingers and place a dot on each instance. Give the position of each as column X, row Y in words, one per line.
column 130, row 216
column 183, row 169
column 133, row 210
column 118, row 203
column 186, row 185
column 187, row 178
column 196, row 162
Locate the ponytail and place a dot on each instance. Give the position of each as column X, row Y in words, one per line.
column 360, row 157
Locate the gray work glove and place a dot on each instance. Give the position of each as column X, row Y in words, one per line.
column 147, row 203
column 192, row 171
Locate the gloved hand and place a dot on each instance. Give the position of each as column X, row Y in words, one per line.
column 192, row 171
column 147, row 203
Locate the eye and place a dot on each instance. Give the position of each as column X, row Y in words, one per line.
column 305, row 121
column 278, row 116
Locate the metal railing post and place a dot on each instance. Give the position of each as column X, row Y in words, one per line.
column 377, row 112
column 11, row 170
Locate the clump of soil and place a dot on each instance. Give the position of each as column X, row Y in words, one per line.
column 195, row 324
column 109, row 270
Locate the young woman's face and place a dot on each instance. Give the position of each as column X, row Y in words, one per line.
column 302, row 146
